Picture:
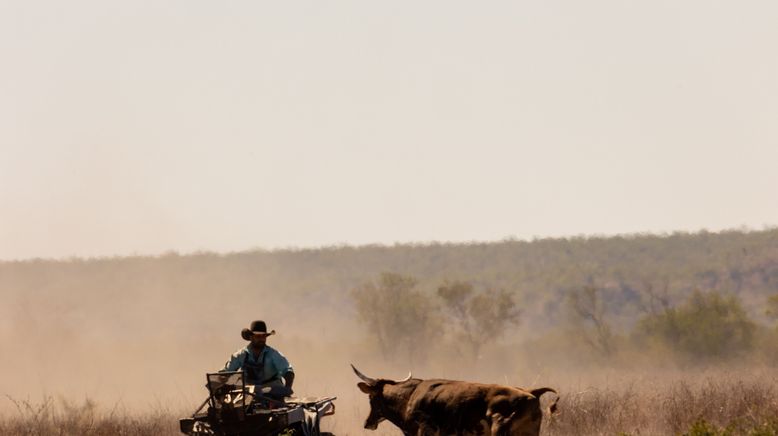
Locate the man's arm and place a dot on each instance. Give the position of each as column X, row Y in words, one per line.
column 289, row 380
column 281, row 364
column 234, row 364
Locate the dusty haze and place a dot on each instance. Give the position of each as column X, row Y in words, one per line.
column 233, row 132
column 138, row 334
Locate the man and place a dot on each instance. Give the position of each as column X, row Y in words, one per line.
column 263, row 365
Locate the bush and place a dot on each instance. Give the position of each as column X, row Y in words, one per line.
column 707, row 326
column 702, row 427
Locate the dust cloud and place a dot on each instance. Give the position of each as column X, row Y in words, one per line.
column 139, row 335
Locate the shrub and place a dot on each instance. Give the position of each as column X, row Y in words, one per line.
column 708, row 325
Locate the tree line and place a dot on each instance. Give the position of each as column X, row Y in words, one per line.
column 407, row 323
column 633, row 275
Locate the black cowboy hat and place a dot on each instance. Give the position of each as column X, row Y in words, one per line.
column 256, row 328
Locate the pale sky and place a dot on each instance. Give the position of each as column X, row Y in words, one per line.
column 138, row 127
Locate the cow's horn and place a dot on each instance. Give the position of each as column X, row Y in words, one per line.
column 406, row 378
column 368, row 380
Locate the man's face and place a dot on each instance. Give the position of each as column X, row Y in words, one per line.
column 258, row 340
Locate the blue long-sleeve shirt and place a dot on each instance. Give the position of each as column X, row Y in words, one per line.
column 274, row 365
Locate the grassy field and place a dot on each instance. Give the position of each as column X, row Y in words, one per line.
column 725, row 403
column 710, row 406
column 60, row 417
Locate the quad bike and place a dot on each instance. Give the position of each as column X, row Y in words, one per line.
column 238, row 409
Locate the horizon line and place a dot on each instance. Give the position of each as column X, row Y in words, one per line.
column 743, row 229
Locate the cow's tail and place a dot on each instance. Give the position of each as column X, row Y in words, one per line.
column 552, row 409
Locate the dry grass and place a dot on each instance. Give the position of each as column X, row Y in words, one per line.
column 726, row 405
column 696, row 406
column 50, row 417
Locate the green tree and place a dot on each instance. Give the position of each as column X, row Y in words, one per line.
column 477, row 318
column 401, row 319
column 707, row 325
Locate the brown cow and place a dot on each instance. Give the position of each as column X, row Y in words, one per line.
column 447, row 407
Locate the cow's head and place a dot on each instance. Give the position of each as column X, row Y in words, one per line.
column 380, row 406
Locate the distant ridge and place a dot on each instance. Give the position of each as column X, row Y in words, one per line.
column 315, row 282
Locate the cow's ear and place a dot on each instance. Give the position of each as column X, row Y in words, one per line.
column 364, row 387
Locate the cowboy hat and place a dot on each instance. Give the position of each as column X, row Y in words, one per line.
column 256, row 328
